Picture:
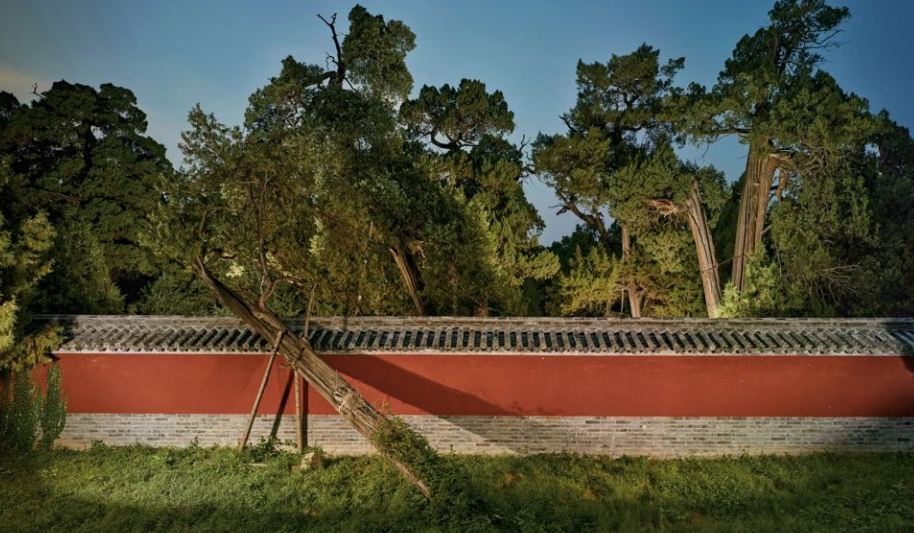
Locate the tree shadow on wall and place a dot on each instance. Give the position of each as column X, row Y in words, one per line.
column 498, row 427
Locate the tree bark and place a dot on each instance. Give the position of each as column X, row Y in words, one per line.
column 301, row 357
column 634, row 295
column 409, row 273
column 704, row 246
column 753, row 204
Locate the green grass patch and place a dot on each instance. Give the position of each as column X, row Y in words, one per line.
column 218, row 489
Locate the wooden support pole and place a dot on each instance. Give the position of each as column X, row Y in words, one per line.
column 326, row 381
column 299, row 419
column 263, row 387
column 286, row 392
column 298, row 416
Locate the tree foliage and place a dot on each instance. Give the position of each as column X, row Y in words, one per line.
column 384, row 200
column 24, row 261
column 792, row 115
column 464, row 130
column 80, row 155
column 617, row 161
column 336, row 181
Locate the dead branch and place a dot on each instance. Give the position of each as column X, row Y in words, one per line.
column 336, row 77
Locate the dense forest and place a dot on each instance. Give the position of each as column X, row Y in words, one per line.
column 348, row 192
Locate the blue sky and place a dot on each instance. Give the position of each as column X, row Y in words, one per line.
column 173, row 54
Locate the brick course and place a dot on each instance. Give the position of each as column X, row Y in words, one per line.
column 642, row 436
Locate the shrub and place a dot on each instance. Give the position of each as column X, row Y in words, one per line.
column 29, row 418
column 54, row 414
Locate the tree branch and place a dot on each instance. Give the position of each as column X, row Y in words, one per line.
column 594, row 220
column 451, row 145
column 336, row 78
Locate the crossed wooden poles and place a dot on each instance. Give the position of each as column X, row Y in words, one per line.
column 303, row 360
column 293, row 377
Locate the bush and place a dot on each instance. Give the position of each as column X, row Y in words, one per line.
column 28, row 418
column 54, row 414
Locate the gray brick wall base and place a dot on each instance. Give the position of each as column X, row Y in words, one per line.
column 644, row 436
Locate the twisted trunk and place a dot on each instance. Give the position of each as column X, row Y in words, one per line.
column 704, row 242
column 409, row 273
column 634, row 294
column 753, row 204
column 704, row 246
column 301, row 357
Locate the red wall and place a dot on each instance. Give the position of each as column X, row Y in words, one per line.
column 828, row 386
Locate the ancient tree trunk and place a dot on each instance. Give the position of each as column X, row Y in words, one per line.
column 409, row 273
column 704, row 246
column 634, row 295
column 704, row 242
column 753, row 205
column 301, row 357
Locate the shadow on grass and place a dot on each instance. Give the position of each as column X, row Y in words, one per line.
column 204, row 489
column 73, row 514
column 135, row 491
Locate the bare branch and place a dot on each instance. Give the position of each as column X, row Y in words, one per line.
column 451, row 145
column 336, row 77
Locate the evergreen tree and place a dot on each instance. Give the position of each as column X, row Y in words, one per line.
column 791, row 115
column 616, row 161
column 464, row 128
column 81, row 156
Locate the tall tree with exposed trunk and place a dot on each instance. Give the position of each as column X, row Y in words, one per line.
column 322, row 189
column 664, row 194
column 771, row 95
column 614, row 161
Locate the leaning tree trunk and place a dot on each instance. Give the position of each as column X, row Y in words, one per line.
column 704, row 246
column 301, row 357
column 753, row 205
column 634, row 295
column 409, row 273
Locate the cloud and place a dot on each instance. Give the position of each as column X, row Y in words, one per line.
column 20, row 83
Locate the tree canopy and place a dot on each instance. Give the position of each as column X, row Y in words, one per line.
column 345, row 182
column 80, row 156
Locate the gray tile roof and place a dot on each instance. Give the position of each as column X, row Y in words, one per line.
column 571, row 336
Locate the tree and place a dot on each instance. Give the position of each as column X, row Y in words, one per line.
column 886, row 287
column 25, row 258
column 660, row 195
column 81, row 156
column 464, row 128
column 839, row 239
column 771, row 94
column 284, row 203
column 616, row 161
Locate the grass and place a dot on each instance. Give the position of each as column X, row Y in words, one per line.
column 217, row 489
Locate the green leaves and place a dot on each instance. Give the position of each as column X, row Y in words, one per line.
column 623, row 95
column 453, row 118
column 617, row 161
column 375, row 52
column 81, row 156
column 24, row 261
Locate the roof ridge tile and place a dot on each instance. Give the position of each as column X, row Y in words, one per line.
column 499, row 335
